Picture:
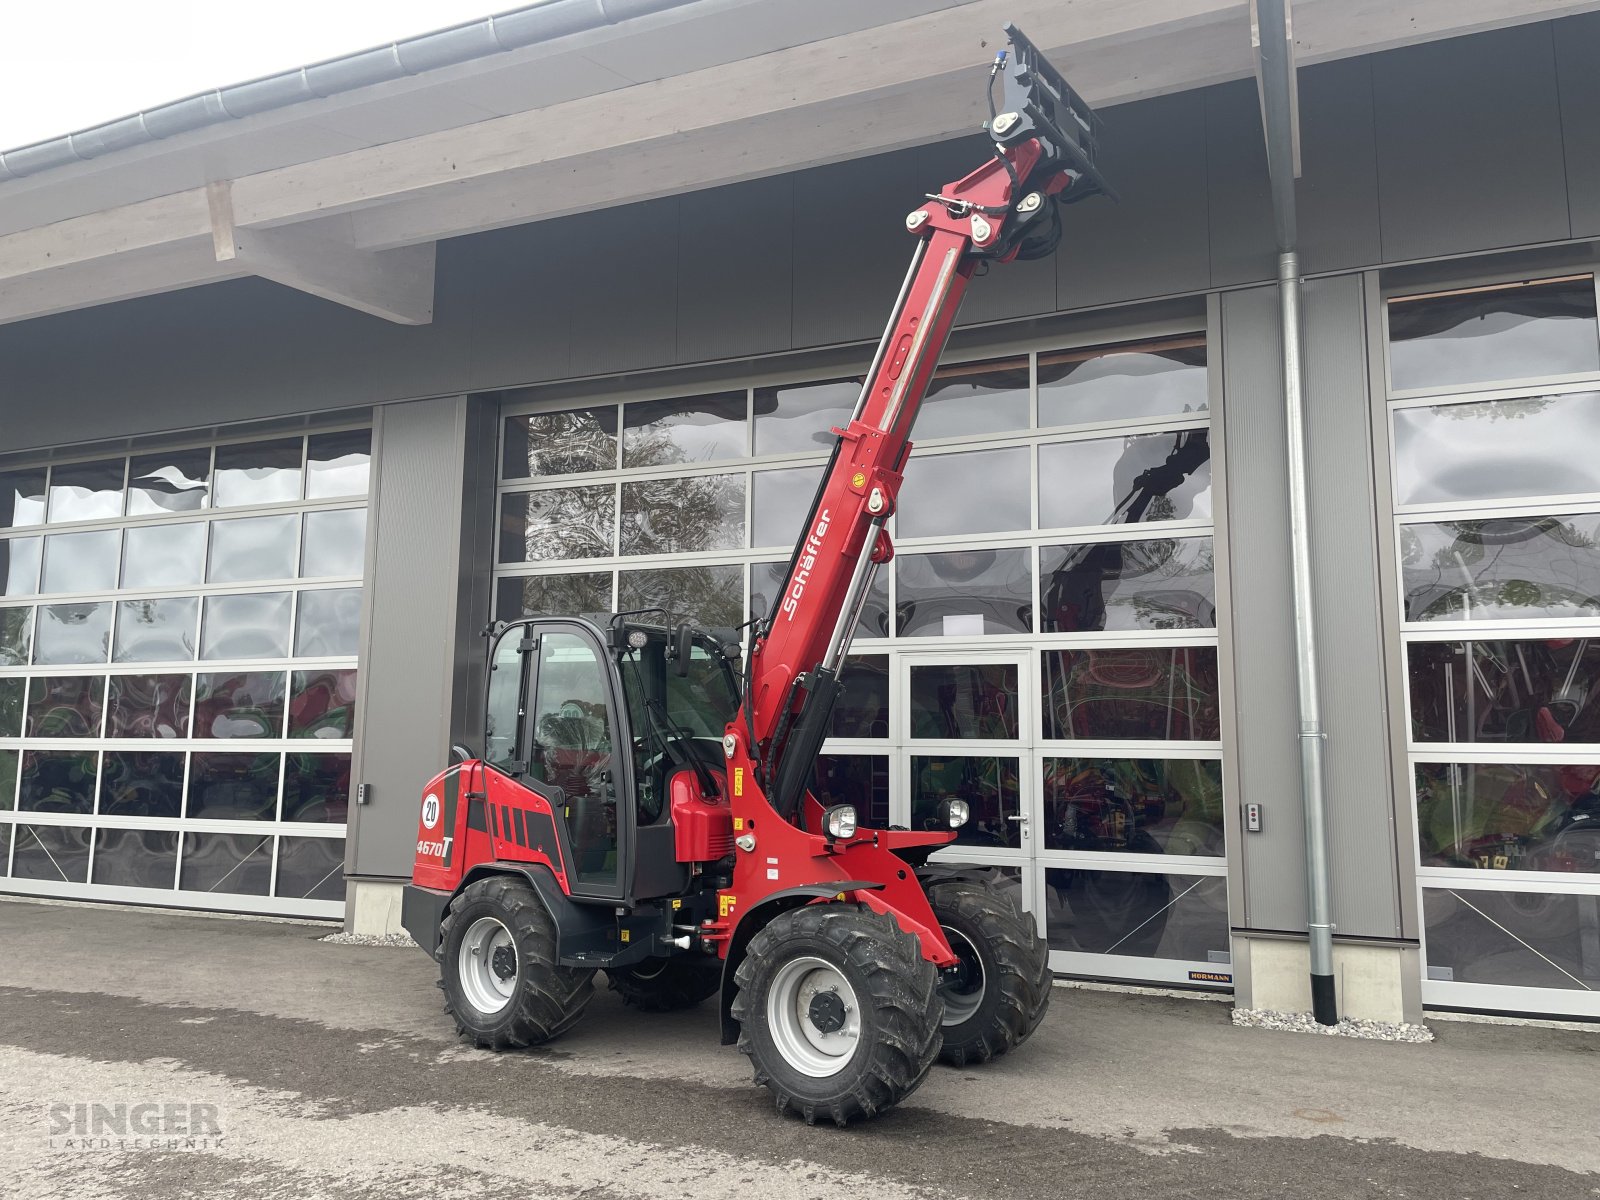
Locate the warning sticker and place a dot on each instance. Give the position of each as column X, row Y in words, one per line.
column 738, row 781
column 726, row 904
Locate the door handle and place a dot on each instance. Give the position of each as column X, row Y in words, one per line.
column 1019, row 817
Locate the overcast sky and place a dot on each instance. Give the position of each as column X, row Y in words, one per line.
column 67, row 64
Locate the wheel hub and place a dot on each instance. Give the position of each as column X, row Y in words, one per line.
column 814, row 1016
column 504, row 962
column 962, row 985
column 827, row 1012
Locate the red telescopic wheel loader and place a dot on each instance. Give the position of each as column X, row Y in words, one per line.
column 641, row 801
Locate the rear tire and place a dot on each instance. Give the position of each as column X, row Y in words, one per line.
column 502, row 981
column 667, row 984
column 852, row 1054
column 996, row 997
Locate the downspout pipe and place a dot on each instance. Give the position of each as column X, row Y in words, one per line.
column 1278, row 116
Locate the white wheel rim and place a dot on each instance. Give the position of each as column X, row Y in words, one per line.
column 961, row 998
column 485, row 953
column 798, row 995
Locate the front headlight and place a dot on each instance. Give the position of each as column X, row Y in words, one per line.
column 840, row 821
column 955, row 812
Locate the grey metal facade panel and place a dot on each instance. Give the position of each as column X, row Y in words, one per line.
column 623, row 289
column 1337, row 195
column 736, row 270
column 1469, row 144
column 1577, row 41
column 1238, row 194
column 504, row 296
column 1349, row 623
column 1268, row 767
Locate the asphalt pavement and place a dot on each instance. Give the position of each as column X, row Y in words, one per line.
column 245, row 1058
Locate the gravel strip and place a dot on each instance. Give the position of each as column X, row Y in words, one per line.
column 1382, row 1031
column 370, row 939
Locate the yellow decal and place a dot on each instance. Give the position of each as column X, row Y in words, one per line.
column 676, row 905
column 738, row 784
column 840, row 896
column 626, row 935
column 738, row 823
column 725, row 904
column 859, row 479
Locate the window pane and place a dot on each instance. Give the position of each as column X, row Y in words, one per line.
column 258, row 472
column 81, row 562
column 145, row 858
column 156, row 630
column 558, row 523
column 1509, row 817
column 797, row 417
column 311, row 868
column 11, row 692
column 988, row 785
column 560, row 443
column 1134, row 805
column 168, row 483
column 316, row 787
column 711, row 595
column 982, row 491
column 1484, row 335
column 1164, row 583
column 969, row 700
column 1502, row 691
column 155, row 706
column 87, row 491
column 1120, row 481
column 1527, row 938
column 16, row 636
column 570, row 720
column 248, row 705
column 55, row 852
column 65, row 705
column 57, row 781
column 240, row 863
column 253, row 548
column 862, row 707
column 21, row 498
column 1166, row 693
column 8, row 785
column 503, row 710
column 336, row 543
column 1153, row 379
column 337, row 464
column 254, row 626
column 72, row 633
column 552, row 595
column 766, row 580
column 322, row 704
column 972, row 398
column 680, row 516
column 19, row 565
column 1503, row 568
column 859, row 779
column 164, row 555
column 779, row 504
column 965, row 593
column 233, row 787
column 329, row 624
column 141, row 783
column 1148, row 916
column 1496, row 448
column 690, row 429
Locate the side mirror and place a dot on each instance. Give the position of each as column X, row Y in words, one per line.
column 460, row 753
column 683, row 641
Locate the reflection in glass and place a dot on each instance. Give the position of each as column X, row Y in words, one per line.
column 990, row 786
column 148, row 706
column 311, row 868
column 678, row 516
column 1162, row 583
column 8, row 785
column 21, row 498
column 329, row 625
column 1125, row 480
column 766, row 580
column 65, row 706
column 258, row 472
column 1496, row 448
column 861, row 709
column 226, row 862
column 88, row 491
column 233, row 787
column 253, row 548
column 57, row 781
column 1527, row 938
column 966, row 700
column 16, row 636
column 72, row 633
column 145, row 858
column 557, row 523
column 168, row 483
column 316, row 787
column 560, row 443
column 251, row 626
column 1135, row 913
column 337, row 464
column 965, row 593
column 1506, row 691
column 335, row 543
column 156, row 630
column 1502, row 568
column 795, row 418
column 242, row 705
column 1134, row 805
column 689, row 429
column 1167, row 693
column 859, row 779
column 711, row 595
column 322, row 704
column 164, row 555
column 1488, row 334
column 19, row 565
column 979, row 491
column 1112, row 383
column 780, row 501
column 552, row 595
column 81, row 562
column 972, row 398
column 141, row 783
column 1509, row 817
column 11, row 692
column 59, row 853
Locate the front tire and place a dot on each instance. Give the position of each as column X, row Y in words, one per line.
column 839, row 1012
column 503, row 983
column 995, row 997
column 667, row 984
